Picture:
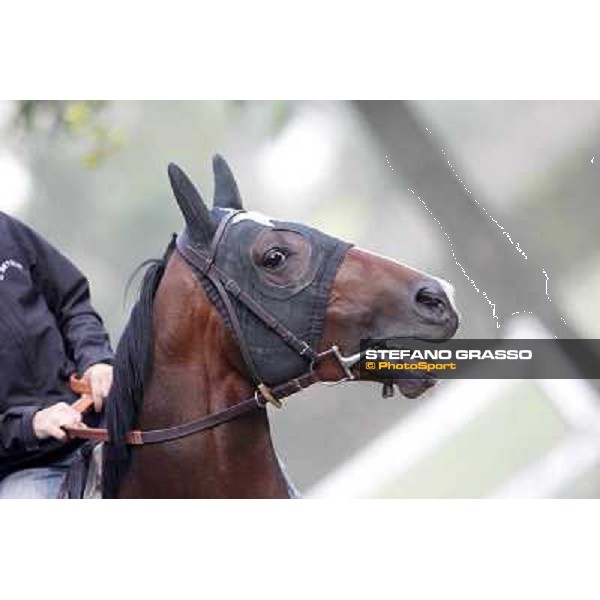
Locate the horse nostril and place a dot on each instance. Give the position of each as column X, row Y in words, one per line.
column 433, row 303
column 435, row 307
column 430, row 298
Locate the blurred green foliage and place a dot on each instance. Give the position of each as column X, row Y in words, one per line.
column 80, row 119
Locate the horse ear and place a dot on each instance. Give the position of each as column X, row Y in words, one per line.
column 197, row 218
column 227, row 194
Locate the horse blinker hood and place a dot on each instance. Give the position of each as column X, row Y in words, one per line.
column 286, row 268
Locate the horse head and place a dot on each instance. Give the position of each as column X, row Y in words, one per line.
column 319, row 289
column 249, row 308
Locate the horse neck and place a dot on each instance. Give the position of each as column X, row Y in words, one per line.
column 197, row 372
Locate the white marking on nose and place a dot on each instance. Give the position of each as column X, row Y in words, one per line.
column 446, row 285
column 252, row 215
column 449, row 289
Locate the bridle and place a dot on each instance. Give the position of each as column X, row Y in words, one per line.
column 228, row 291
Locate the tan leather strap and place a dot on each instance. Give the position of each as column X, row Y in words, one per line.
column 81, row 387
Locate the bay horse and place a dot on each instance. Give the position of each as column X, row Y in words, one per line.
column 241, row 311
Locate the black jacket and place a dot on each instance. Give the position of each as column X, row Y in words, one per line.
column 48, row 330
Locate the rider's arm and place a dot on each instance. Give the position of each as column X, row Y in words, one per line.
column 67, row 294
column 16, row 431
column 22, row 428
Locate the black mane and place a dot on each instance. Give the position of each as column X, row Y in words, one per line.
column 133, row 368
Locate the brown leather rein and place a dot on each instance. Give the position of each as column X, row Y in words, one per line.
column 138, row 437
column 263, row 395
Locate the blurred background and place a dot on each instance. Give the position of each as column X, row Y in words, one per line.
column 499, row 198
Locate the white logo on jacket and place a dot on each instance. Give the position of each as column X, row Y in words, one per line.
column 6, row 265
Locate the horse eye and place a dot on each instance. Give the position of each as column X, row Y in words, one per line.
column 274, row 258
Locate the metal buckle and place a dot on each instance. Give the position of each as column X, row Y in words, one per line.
column 305, row 348
column 268, row 396
column 257, row 398
column 345, row 363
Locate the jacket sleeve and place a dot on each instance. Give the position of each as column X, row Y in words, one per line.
column 16, row 431
column 67, row 294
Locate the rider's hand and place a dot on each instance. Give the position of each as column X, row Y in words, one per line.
column 99, row 377
column 49, row 421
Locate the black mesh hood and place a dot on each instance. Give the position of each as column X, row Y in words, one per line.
column 301, row 306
